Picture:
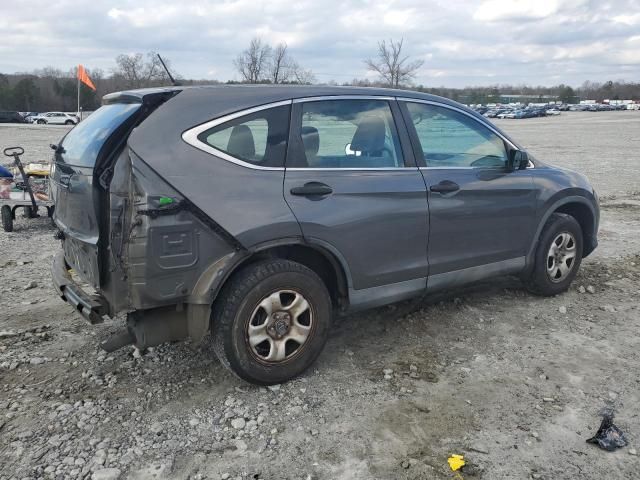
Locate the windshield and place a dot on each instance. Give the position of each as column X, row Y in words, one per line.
column 83, row 143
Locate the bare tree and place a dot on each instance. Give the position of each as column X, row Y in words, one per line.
column 280, row 65
column 262, row 63
column 302, row 75
column 138, row 72
column 392, row 67
column 252, row 63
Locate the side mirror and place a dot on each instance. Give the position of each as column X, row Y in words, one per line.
column 518, row 160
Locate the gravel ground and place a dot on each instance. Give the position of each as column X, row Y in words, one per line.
column 512, row 381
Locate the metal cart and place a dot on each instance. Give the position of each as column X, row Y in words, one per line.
column 33, row 194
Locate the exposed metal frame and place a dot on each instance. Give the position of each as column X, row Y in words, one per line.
column 191, row 136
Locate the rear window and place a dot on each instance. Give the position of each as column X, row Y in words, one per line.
column 83, row 143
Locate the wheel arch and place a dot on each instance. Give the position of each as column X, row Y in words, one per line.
column 321, row 260
column 580, row 208
column 327, row 265
column 586, row 218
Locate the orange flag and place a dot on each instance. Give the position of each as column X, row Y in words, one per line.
column 83, row 76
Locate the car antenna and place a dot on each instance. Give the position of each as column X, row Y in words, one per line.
column 175, row 84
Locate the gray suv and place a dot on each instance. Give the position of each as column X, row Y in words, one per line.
column 256, row 213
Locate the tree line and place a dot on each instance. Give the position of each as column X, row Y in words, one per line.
column 50, row 89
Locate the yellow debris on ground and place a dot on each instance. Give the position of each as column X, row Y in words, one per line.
column 456, row 462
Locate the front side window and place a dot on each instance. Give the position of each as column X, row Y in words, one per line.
column 349, row 134
column 452, row 139
column 259, row 138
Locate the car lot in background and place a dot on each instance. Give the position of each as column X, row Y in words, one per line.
column 531, row 110
column 55, row 118
column 28, row 116
column 11, row 117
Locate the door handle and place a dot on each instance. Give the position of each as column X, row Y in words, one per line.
column 312, row 188
column 446, row 186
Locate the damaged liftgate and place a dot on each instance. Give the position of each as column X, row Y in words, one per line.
column 140, row 226
column 162, row 259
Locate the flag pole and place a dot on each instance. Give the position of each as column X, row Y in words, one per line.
column 78, row 77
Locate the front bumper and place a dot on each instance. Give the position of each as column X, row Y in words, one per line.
column 91, row 307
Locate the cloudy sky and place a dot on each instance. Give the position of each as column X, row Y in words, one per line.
column 461, row 42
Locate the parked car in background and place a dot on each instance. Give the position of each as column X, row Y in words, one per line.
column 55, row 118
column 28, row 116
column 553, row 111
column 11, row 117
column 257, row 213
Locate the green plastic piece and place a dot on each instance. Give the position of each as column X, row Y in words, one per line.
column 165, row 201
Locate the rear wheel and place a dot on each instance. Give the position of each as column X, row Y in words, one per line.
column 271, row 321
column 7, row 218
column 41, row 122
column 558, row 256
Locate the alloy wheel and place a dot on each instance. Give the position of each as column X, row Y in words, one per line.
column 561, row 257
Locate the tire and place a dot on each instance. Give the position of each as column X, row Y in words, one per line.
column 239, row 317
column 7, row 218
column 69, row 122
column 549, row 277
column 41, row 122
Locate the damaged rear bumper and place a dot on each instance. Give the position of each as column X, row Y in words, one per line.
column 91, row 307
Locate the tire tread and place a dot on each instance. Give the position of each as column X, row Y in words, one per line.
column 235, row 291
column 534, row 283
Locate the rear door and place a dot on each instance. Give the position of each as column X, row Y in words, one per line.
column 356, row 192
column 480, row 212
column 75, row 189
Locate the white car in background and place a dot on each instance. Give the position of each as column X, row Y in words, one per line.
column 55, row 118
column 553, row 111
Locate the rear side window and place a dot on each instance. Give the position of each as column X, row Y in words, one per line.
column 452, row 139
column 83, row 143
column 259, row 138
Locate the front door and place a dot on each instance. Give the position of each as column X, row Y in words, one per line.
column 354, row 192
column 481, row 214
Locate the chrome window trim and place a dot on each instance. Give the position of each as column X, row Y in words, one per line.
column 448, row 168
column 350, row 169
column 343, row 97
column 191, row 136
column 459, row 110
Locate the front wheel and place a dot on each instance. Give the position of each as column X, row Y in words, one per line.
column 271, row 321
column 69, row 122
column 41, row 122
column 558, row 256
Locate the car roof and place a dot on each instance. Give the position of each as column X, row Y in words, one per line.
column 195, row 105
column 245, row 95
